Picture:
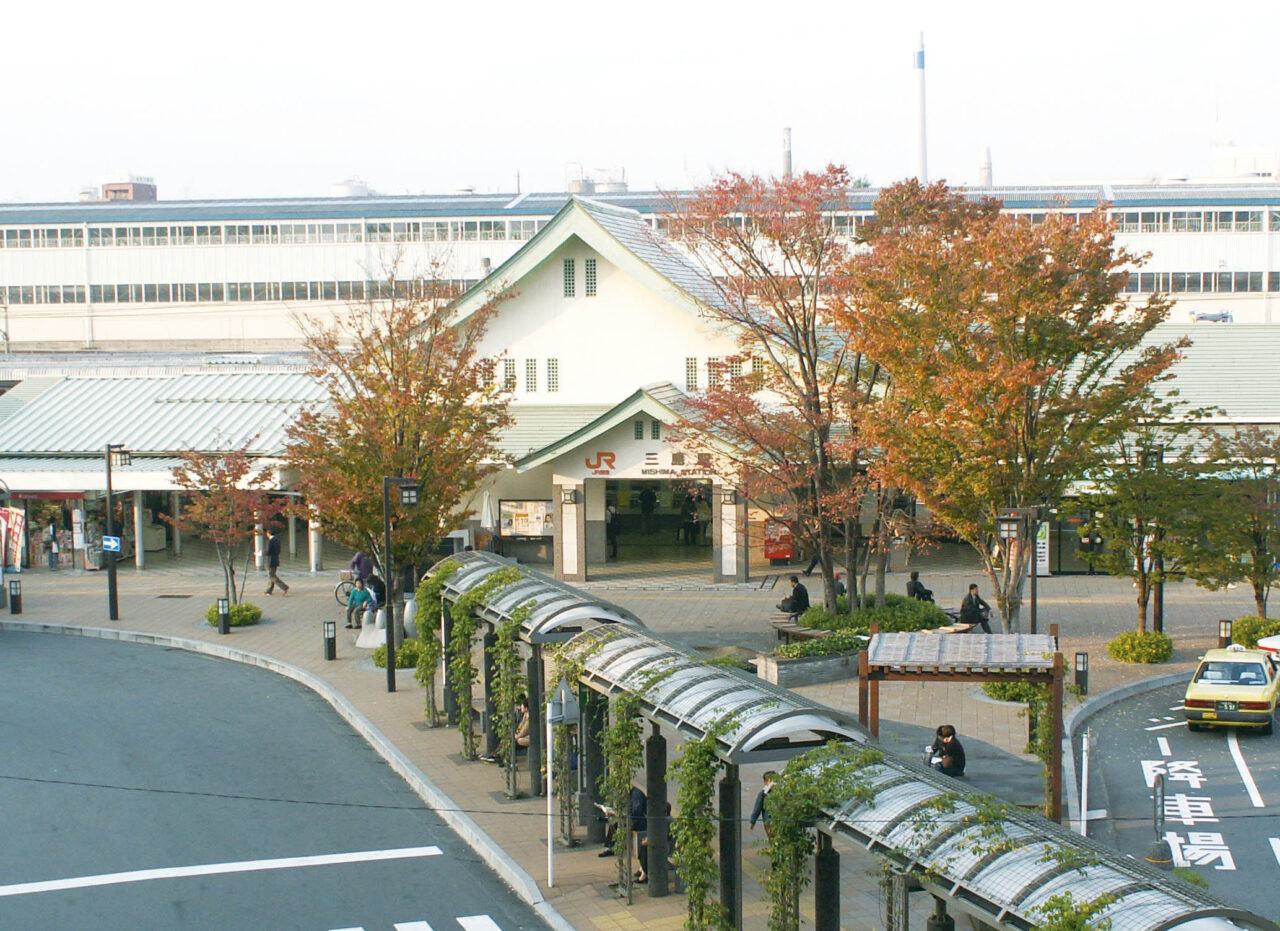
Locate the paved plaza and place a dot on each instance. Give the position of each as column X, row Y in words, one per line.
column 168, row 599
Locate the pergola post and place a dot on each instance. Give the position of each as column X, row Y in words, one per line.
column 826, row 885
column 655, row 780
column 490, row 734
column 450, row 699
column 731, row 845
column 175, row 509
column 536, row 787
column 594, row 712
column 1055, row 735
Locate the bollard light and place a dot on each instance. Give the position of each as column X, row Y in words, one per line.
column 15, row 596
column 1224, row 634
column 330, row 640
column 224, row 615
column 1082, row 673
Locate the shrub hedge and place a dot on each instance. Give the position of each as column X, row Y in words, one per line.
column 898, row 614
column 1248, row 630
column 1134, row 646
column 406, row 655
column 842, row 641
column 242, row 615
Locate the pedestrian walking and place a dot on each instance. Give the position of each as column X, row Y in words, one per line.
column 760, row 811
column 273, row 564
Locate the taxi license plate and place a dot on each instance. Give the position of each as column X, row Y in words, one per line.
column 1210, row 715
column 1226, row 706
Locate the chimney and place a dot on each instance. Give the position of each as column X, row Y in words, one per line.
column 984, row 170
column 922, row 148
column 786, row 153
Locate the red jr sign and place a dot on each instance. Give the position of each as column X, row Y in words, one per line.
column 603, row 464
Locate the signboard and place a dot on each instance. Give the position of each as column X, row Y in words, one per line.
column 111, row 544
column 17, row 521
column 1042, row 549
column 529, row 518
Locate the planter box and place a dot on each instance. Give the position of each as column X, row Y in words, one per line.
column 806, row 670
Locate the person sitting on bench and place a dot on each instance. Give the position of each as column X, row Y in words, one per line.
column 916, row 589
column 798, row 601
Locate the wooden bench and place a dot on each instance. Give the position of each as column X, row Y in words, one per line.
column 789, row 631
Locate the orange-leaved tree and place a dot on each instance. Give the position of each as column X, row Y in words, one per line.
column 1014, row 357
column 409, row 397
column 228, row 497
column 774, row 269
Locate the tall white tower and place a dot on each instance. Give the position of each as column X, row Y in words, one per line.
column 922, row 146
column 786, row 153
column 984, row 170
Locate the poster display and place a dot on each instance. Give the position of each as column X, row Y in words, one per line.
column 527, row 518
column 16, row 519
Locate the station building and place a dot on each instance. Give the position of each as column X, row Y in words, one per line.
column 604, row 338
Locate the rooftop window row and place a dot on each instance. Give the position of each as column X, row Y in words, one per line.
column 271, row 233
column 1201, row 282
column 227, row 292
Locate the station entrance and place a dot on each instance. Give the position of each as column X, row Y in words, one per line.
column 659, row 523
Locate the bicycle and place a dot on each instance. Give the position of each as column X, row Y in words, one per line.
column 342, row 591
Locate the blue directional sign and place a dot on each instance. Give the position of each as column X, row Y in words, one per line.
column 111, row 544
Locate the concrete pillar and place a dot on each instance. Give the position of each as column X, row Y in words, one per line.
column 826, row 886
column 655, row 780
column 594, row 712
column 729, row 553
column 731, row 845
column 139, row 551
column 293, row 537
column 536, row 723
column 569, row 544
column 315, row 545
column 175, row 509
column 259, row 547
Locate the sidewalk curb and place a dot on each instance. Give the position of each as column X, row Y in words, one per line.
column 471, row 833
column 1074, row 720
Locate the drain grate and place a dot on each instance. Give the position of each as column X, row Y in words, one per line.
column 173, row 596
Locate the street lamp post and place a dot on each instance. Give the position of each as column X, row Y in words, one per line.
column 116, row 454
column 409, row 489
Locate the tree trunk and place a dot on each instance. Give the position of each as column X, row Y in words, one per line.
column 1260, row 599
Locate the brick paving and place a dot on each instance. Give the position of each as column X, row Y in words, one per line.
column 171, row 596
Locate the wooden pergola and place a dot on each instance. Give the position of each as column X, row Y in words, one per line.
column 929, row 656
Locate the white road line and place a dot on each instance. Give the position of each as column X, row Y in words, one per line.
column 1165, row 727
column 1275, row 847
column 1245, row 776
column 411, row 926
column 214, row 869
column 1163, row 744
column 478, row 923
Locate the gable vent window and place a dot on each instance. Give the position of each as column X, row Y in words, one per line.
column 691, row 374
column 553, row 374
column 639, row 429
column 530, row 374
column 570, row 288
column 589, row 277
column 655, row 430
column 713, row 372
column 735, row 373
column 508, row 374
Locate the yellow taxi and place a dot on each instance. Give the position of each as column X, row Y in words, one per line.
column 1236, row 687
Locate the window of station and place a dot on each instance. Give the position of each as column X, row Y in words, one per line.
column 691, row 373
column 530, row 374
column 464, row 230
column 1201, row 282
column 638, row 429
column 521, row 229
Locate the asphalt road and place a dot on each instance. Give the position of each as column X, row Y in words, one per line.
column 143, row 787
column 1222, row 789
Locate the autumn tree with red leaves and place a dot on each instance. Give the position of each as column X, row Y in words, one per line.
column 1014, row 358
column 775, row 412
column 228, row 497
column 409, row 397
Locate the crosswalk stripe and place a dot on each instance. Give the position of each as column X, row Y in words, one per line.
column 412, row 926
column 478, row 923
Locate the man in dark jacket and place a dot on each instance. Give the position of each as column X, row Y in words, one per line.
column 973, row 610
column 798, row 601
column 273, row 564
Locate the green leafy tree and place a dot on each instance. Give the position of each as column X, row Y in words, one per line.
column 1242, row 533
column 1013, row 357
column 1149, row 509
column 409, row 397
column 228, row 498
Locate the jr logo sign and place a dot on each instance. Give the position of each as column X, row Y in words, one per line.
column 602, row 464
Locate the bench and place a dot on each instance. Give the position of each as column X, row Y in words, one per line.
column 789, row 631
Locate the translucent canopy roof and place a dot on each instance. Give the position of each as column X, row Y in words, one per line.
column 915, row 818
column 558, row 613
column 764, row 721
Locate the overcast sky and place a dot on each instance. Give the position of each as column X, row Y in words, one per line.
column 249, row 99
